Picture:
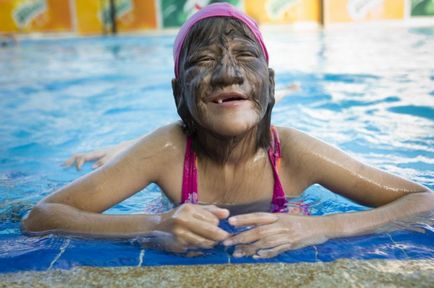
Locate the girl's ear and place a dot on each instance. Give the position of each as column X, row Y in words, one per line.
column 271, row 82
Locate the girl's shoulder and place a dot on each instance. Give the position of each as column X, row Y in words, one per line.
column 168, row 139
column 291, row 138
column 297, row 144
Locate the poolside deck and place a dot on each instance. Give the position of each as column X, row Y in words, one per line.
column 341, row 273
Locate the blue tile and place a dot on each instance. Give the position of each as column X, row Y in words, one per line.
column 25, row 253
column 374, row 246
column 416, row 245
column 21, row 253
column 154, row 257
column 83, row 252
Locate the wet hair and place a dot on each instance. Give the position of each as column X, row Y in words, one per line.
column 200, row 32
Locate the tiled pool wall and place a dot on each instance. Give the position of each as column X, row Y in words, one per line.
column 65, row 253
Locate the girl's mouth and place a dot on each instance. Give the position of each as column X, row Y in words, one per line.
column 228, row 97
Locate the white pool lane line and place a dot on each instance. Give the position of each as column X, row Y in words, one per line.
column 399, row 246
column 141, row 256
column 228, row 254
column 62, row 250
column 316, row 253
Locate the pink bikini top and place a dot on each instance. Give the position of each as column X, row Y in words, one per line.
column 279, row 204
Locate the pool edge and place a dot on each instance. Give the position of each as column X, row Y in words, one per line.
column 344, row 273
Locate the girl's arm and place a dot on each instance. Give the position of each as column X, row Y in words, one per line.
column 312, row 161
column 100, row 156
column 393, row 197
column 77, row 207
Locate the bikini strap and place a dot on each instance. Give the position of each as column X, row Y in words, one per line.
column 189, row 178
column 279, row 203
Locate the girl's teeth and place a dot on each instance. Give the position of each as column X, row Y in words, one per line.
column 220, row 101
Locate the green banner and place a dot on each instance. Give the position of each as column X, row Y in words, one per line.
column 175, row 12
column 422, row 8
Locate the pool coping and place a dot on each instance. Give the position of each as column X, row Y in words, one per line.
column 341, row 273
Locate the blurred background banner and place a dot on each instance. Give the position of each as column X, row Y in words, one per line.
column 284, row 11
column 89, row 19
column 92, row 17
column 422, row 7
column 25, row 16
column 337, row 11
column 175, row 12
column 136, row 15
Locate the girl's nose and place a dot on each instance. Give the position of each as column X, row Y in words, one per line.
column 226, row 73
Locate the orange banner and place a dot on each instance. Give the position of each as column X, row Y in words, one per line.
column 35, row 16
column 88, row 16
column 338, row 11
column 93, row 16
column 142, row 15
column 283, row 11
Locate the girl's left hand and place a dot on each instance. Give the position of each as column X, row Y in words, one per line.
column 273, row 234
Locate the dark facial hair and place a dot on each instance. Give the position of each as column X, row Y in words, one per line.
column 203, row 34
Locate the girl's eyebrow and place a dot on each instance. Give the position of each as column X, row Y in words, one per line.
column 246, row 45
column 199, row 51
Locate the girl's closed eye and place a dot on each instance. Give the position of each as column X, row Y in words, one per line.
column 205, row 59
column 201, row 60
column 246, row 55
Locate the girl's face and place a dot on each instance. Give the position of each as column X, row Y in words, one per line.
column 226, row 81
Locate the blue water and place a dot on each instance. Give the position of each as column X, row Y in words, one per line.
column 369, row 92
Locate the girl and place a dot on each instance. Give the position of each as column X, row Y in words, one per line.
column 225, row 160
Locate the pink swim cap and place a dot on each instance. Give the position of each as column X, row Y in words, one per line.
column 213, row 10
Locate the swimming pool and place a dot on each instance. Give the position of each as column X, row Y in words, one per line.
column 370, row 92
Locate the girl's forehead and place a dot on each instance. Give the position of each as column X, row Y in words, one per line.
column 222, row 33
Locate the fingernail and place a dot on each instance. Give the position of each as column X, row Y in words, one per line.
column 232, row 221
column 238, row 254
column 228, row 243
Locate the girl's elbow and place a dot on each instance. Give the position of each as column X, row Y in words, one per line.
column 424, row 200
column 38, row 220
column 429, row 196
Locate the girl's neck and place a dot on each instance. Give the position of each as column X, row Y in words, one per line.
column 224, row 149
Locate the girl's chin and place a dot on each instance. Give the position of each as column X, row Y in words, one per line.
column 232, row 128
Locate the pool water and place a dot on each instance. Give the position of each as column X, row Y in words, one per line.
column 369, row 92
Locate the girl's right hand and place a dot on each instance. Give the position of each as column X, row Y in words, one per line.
column 189, row 226
column 100, row 156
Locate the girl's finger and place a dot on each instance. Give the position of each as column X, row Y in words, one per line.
column 192, row 240
column 265, row 243
column 68, row 162
column 207, row 230
column 72, row 160
column 269, row 253
column 253, row 235
column 99, row 163
column 79, row 162
column 220, row 213
column 244, row 250
column 200, row 221
column 259, row 218
column 272, row 241
column 94, row 155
